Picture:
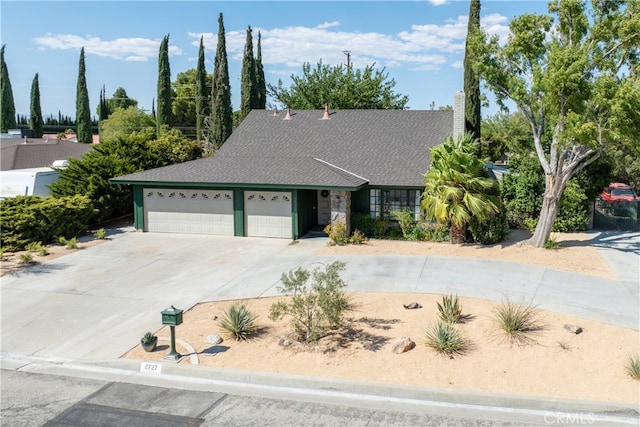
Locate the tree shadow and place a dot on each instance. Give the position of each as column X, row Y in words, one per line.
column 377, row 323
column 213, row 350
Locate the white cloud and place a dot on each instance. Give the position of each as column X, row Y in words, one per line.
column 127, row 49
column 438, row 2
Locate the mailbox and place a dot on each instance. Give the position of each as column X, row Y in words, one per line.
column 172, row 316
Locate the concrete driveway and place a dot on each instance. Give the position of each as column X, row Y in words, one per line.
column 94, row 304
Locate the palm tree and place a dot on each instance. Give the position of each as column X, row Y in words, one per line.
column 458, row 187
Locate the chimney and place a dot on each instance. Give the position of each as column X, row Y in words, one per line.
column 288, row 115
column 325, row 116
column 458, row 114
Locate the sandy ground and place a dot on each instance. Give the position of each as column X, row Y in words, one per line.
column 559, row 364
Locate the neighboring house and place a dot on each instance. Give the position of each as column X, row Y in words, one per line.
column 25, row 153
column 281, row 174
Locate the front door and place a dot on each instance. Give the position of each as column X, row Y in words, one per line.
column 324, row 207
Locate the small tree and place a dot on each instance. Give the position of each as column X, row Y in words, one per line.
column 314, row 307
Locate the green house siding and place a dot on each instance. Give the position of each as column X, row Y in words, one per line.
column 360, row 201
column 306, row 211
column 238, row 212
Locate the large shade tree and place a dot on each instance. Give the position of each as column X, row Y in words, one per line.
column 340, row 87
column 573, row 75
column 8, row 107
column 458, row 187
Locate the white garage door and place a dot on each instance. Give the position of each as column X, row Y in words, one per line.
column 268, row 214
column 188, row 211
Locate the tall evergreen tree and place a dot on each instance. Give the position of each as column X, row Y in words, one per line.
column 249, row 88
column 164, row 115
column 103, row 109
column 83, row 111
column 8, row 113
column 260, row 80
column 221, row 111
column 471, row 78
column 35, row 121
column 201, row 92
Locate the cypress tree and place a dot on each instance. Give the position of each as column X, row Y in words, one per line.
column 35, row 121
column 201, row 92
column 163, row 114
column 221, row 111
column 8, row 113
column 248, row 90
column 261, row 83
column 471, row 79
column 83, row 111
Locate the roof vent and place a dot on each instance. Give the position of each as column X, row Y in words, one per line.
column 288, row 115
column 325, row 116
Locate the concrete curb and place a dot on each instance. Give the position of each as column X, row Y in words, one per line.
column 490, row 406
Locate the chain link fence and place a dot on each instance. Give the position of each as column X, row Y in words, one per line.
column 621, row 216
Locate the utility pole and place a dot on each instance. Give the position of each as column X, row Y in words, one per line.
column 348, row 53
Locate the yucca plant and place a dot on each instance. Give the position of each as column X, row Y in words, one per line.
column 517, row 321
column 444, row 338
column 633, row 367
column 450, row 310
column 239, row 322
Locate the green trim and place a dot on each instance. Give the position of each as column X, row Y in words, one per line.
column 138, row 208
column 238, row 212
column 295, row 231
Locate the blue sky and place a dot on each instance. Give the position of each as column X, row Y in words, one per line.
column 420, row 43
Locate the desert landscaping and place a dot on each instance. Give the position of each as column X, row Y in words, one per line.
column 556, row 363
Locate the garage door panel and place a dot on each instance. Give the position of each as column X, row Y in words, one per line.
column 189, row 211
column 268, row 214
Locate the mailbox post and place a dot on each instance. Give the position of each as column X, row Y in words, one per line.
column 172, row 317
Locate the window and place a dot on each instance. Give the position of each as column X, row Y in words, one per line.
column 383, row 202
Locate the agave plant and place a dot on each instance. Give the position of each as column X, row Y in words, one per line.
column 450, row 310
column 444, row 338
column 239, row 322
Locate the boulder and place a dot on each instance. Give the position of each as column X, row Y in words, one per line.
column 402, row 345
column 213, row 339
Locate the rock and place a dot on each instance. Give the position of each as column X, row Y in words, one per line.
column 412, row 306
column 402, row 345
column 573, row 329
column 213, row 339
column 284, row 342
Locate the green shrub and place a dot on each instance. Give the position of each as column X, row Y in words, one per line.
column 551, row 243
column 450, row 310
column 357, row 238
column 72, row 243
column 26, row 258
column 337, row 234
column 516, row 321
column 362, row 222
column 100, row 234
column 239, row 322
column 405, row 221
column 28, row 219
column 444, row 338
column 380, row 226
column 314, row 307
column 491, row 230
column 436, row 232
column 633, row 367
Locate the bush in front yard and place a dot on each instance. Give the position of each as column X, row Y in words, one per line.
column 27, row 219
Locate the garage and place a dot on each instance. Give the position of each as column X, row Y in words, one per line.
column 188, row 211
column 268, row 214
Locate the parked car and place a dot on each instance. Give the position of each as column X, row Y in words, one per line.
column 619, row 192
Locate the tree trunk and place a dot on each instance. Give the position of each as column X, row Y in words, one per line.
column 550, row 205
column 458, row 234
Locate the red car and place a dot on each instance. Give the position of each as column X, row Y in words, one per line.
column 619, row 192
